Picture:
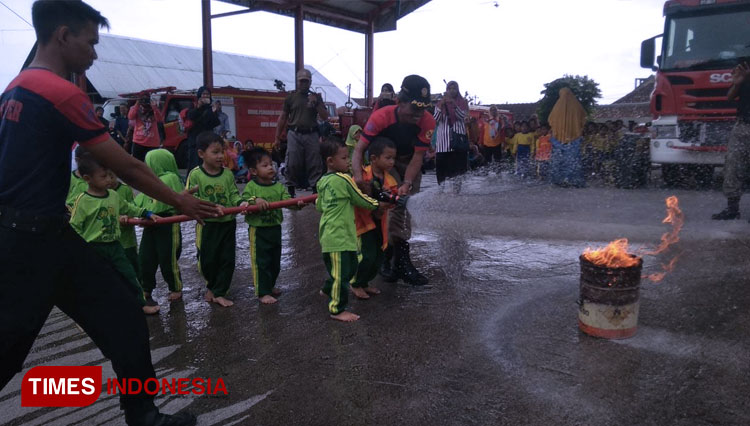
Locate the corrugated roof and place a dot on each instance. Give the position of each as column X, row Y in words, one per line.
column 353, row 15
column 128, row 65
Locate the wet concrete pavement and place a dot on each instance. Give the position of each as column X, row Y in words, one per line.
column 492, row 340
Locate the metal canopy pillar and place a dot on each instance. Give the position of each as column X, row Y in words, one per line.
column 208, row 59
column 299, row 41
column 369, row 62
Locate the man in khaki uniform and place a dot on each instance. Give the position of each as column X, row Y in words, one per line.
column 300, row 117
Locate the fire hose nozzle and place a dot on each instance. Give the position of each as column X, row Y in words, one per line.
column 390, row 197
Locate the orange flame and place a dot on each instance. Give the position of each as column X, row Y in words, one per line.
column 674, row 217
column 615, row 255
column 658, row 276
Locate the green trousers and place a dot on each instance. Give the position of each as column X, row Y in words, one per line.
column 161, row 246
column 132, row 254
column 370, row 257
column 265, row 257
column 216, row 242
column 115, row 254
column 341, row 266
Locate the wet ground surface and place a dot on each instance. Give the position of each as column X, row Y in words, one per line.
column 492, row 340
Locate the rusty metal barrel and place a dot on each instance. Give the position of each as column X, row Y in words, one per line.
column 609, row 300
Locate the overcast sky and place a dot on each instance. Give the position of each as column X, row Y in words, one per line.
column 500, row 54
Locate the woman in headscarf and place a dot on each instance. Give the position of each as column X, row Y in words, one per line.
column 387, row 97
column 567, row 120
column 451, row 142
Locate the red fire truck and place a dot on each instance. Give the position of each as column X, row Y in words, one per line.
column 703, row 41
column 253, row 114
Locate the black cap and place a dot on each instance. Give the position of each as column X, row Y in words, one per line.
column 415, row 89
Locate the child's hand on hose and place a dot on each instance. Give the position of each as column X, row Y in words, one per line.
column 243, row 205
column 262, row 204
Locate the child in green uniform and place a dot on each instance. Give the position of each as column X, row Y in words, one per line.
column 77, row 184
column 96, row 218
column 264, row 226
column 127, row 232
column 337, row 196
column 372, row 227
column 161, row 245
column 216, row 239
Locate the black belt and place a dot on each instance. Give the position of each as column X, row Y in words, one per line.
column 303, row 130
column 30, row 222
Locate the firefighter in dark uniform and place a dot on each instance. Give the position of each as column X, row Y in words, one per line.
column 43, row 262
column 410, row 126
column 738, row 151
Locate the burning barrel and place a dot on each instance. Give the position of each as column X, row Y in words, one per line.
column 609, row 302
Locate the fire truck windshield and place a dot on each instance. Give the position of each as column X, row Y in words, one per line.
column 703, row 42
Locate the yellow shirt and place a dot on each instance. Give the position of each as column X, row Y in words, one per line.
column 523, row 139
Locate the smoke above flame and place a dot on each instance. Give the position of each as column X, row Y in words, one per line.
column 616, row 254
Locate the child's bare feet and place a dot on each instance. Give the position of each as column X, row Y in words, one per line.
column 360, row 293
column 151, row 310
column 268, row 299
column 345, row 316
column 209, row 296
column 372, row 290
column 174, row 295
column 275, row 292
column 223, row 301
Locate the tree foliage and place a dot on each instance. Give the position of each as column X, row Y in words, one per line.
column 586, row 90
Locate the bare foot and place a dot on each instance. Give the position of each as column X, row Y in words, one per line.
column 372, row 290
column 360, row 293
column 275, row 292
column 151, row 310
column 222, row 301
column 268, row 299
column 209, row 296
column 174, row 295
column 345, row 316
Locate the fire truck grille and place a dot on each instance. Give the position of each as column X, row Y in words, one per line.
column 705, row 133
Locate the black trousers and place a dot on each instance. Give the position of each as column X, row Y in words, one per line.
column 39, row 270
column 493, row 153
column 451, row 164
column 140, row 151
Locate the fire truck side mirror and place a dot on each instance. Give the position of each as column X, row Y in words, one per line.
column 648, row 51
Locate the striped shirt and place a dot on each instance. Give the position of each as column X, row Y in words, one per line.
column 443, row 132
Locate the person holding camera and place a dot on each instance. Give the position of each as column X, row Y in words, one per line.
column 146, row 118
column 452, row 143
column 300, row 118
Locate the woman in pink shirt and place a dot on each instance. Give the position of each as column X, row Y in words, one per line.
column 145, row 115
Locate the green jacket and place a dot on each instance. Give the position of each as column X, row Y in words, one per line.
column 270, row 193
column 337, row 196
column 163, row 164
column 97, row 219
column 219, row 189
column 77, row 187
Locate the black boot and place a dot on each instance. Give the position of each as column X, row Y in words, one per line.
column 731, row 212
column 386, row 269
column 404, row 268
